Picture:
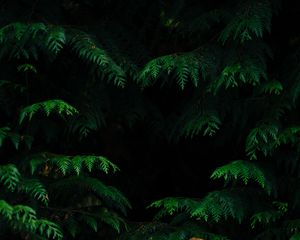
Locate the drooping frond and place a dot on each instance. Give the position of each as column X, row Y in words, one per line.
column 23, row 218
column 112, row 219
column 88, row 50
column 208, row 122
column 56, row 39
column 6, row 133
column 192, row 66
column 112, row 196
column 34, row 188
column 261, row 138
column 70, row 164
column 249, row 22
column 27, row 68
column 250, row 71
column 269, row 216
column 272, row 87
column 58, row 106
column 215, row 206
column 220, row 204
column 11, row 178
column 289, row 135
column 245, row 171
column 52, row 39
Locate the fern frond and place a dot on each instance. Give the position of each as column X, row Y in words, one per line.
column 245, row 171
column 26, row 67
column 35, row 188
column 209, row 122
column 111, row 219
column 109, row 194
column 86, row 122
column 9, row 176
column 6, row 210
column 219, row 204
column 185, row 66
column 70, row 164
column 50, row 229
column 24, row 218
column 250, row 21
column 170, row 206
column 90, row 221
column 272, row 87
column 289, row 135
column 269, row 216
column 72, row 226
column 88, row 50
column 251, row 71
column 58, row 106
column 262, row 138
column 11, row 179
column 56, row 39
column 216, row 205
column 3, row 134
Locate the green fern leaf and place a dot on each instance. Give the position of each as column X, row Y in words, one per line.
column 251, row 20
column 10, row 176
column 58, row 106
column 262, row 138
column 209, row 122
column 56, row 39
column 245, row 171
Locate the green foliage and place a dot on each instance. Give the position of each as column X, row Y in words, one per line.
column 12, row 180
column 245, row 171
column 214, row 207
column 232, row 76
column 58, row 106
column 261, row 138
column 6, row 133
column 249, row 22
column 10, row 176
column 185, row 66
column 56, row 39
column 209, row 122
column 24, row 218
column 273, row 87
column 87, row 49
column 69, row 164
column 273, row 215
column 220, row 80
column 27, row 67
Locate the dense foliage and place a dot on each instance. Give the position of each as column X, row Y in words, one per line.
column 105, row 101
